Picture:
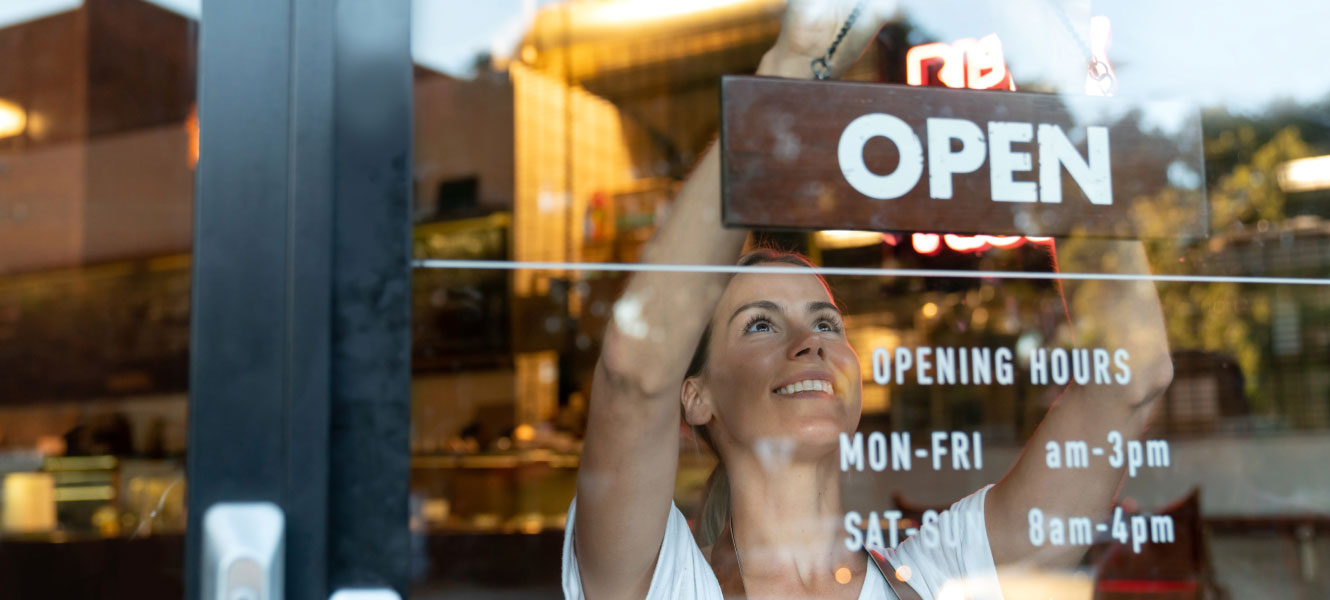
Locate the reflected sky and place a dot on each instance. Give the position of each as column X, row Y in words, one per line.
column 1239, row 53
column 13, row 12
column 1213, row 52
column 446, row 35
column 189, row 8
column 1217, row 52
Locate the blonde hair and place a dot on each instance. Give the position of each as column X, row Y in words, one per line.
column 716, row 494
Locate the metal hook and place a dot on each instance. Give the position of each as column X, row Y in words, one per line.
column 820, row 68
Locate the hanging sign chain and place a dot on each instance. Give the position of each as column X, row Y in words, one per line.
column 1099, row 71
column 821, row 66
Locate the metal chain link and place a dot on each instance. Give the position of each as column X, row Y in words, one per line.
column 821, row 66
column 1097, row 69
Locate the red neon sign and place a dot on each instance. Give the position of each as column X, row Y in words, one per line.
column 965, row 63
column 931, row 243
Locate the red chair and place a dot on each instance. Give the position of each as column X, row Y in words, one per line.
column 1177, row 570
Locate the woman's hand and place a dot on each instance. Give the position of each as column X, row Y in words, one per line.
column 810, row 26
column 1116, row 315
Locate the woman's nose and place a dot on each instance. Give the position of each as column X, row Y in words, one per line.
column 810, row 345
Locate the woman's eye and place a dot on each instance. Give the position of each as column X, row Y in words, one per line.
column 827, row 325
column 758, row 325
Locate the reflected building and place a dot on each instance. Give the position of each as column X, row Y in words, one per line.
column 96, row 208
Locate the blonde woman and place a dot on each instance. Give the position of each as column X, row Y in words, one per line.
column 757, row 358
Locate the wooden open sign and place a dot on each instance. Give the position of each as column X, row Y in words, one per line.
column 840, row 155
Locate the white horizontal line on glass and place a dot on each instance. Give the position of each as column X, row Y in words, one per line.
column 436, row 263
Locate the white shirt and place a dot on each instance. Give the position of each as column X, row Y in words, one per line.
column 958, row 559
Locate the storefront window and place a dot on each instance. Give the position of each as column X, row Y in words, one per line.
column 98, row 145
column 1149, row 310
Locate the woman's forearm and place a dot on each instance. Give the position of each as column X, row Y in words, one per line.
column 1118, row 314
column 661, row 315
column 1105, row 314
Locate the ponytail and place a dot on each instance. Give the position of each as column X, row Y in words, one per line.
column 715, row 505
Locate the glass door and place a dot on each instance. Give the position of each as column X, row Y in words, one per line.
column 556, row 140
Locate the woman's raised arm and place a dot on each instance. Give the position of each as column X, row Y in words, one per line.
column 1109, row 315
column 626, row 480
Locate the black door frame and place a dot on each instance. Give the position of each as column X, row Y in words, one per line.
column 300, row 325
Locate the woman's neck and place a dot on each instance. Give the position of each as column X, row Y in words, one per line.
column 787, row 520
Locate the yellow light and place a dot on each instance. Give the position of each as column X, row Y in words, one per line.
column 84, row 493
column 532, row 524
column 843, row 575
column 80, row 463
column 29, row 503
column 524, row 433
column 1020, row 583
column 979, row 317
column 13, row 120
column 836, row 238
column 903, row 573
column 930, row 310
column 436, row 510
column 192, row 130
column 529, row 54
column 651, row 10
column 1305, row 174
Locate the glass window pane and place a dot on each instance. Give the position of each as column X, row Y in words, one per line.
column 98, row 144
column 1110, row 302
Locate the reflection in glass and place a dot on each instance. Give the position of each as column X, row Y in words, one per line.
column 96, row 190
column 578, row 142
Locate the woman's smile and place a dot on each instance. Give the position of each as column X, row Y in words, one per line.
column 807, row 384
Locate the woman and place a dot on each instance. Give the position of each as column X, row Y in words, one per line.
column 773, row 383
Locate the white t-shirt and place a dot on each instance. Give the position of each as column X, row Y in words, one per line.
column 958, row 559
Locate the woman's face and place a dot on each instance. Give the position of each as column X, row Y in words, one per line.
column 779, row 367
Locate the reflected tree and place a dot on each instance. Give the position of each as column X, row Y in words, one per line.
column 1227, row 318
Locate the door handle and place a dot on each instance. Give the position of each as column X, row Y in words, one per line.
column 244, row 551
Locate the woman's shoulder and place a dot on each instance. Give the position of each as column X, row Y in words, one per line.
column 681, row 571
column 949, row 549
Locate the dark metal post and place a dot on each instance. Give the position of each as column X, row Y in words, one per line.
column 300, row 332
column 371, row 360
